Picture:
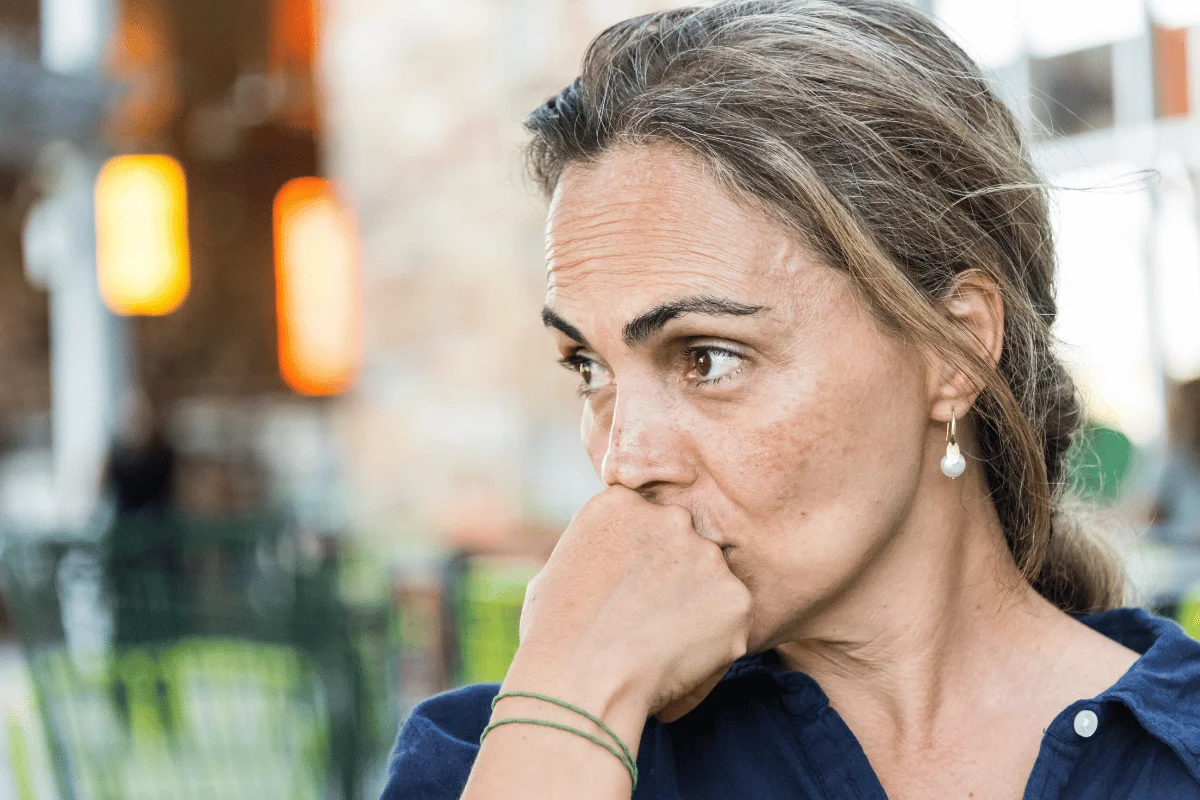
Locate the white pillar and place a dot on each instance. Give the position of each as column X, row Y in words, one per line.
column 86, row 353
column 75, row 34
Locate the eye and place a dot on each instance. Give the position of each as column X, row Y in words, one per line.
column 712, row 364
column 593, row 375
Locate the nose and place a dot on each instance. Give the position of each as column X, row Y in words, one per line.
column 646, row 449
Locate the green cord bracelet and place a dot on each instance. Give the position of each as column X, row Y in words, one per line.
column 629, row 765
column 564, row 704
column 625, row 756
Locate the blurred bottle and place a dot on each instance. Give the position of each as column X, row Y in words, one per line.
column 143, row 553
column 141, row 465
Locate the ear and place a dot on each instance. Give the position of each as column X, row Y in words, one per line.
column 976, row 306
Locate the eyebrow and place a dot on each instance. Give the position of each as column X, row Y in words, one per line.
column 642, row 327
column 552, row 320
column 645, row 325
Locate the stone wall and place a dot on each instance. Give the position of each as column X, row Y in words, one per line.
column 462, row 423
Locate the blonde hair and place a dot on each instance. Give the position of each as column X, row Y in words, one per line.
column 866, row 130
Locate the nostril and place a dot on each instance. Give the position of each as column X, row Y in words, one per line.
column 651, row 489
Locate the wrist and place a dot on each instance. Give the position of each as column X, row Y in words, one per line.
column 601, row 685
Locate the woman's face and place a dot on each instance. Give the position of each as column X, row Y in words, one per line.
column 725, row 370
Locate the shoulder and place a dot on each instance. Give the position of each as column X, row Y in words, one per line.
column 438, row 744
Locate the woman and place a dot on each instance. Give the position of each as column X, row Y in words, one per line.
column 800, row 261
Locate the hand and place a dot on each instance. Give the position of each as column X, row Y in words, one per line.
column 632, row 593
column 682, row 705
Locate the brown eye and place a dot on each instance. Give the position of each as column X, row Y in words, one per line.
column 712, row 364
column 592, row 376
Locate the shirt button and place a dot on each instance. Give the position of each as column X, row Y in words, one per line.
column 1086, row 723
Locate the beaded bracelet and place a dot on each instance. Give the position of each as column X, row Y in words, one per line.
column 625, row 756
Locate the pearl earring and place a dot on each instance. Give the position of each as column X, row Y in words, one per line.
column 953, row 462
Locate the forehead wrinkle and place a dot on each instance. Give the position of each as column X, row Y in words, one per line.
column 659, row 227
column 650, row 214
column 601, row 244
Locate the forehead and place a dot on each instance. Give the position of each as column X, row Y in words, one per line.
column 644, row 224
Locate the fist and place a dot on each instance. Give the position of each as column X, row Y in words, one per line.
column 632, row 589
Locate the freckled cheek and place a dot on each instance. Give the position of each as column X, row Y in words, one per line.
column 766, row 452
column 766, row 466
column 787, row 545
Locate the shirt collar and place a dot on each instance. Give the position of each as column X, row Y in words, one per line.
column 1161, row 688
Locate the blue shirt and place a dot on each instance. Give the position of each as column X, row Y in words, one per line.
column 766, row 732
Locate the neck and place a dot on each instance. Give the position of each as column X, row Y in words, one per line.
column 938, row 617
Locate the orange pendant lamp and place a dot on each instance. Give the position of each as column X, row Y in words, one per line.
column 142, row 262
column 317, row 283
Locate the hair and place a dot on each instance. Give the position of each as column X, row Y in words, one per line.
column 872, row 136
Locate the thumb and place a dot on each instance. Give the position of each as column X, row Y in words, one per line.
column 682, row 705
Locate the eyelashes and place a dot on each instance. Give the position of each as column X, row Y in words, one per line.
column 585, row 368
column 707, row 365
column 589, row 371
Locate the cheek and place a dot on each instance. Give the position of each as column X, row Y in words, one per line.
column 773, row 450
column 820, row 474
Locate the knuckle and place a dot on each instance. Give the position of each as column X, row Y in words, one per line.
column 713, row 557
column 595, row 504
column 739, row 603
column 610, row 496
column 677, row 517
column 744, row 601
column 617, row 494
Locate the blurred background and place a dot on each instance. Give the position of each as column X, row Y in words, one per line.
column 281, row 437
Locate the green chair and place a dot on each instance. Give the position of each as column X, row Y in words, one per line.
column 200, row 667
column 488, row 614
column 201, row 718
column 1188, row 613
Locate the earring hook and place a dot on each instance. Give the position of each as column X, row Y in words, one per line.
column 950, row 428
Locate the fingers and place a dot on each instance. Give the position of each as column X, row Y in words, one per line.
column 633, row 581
